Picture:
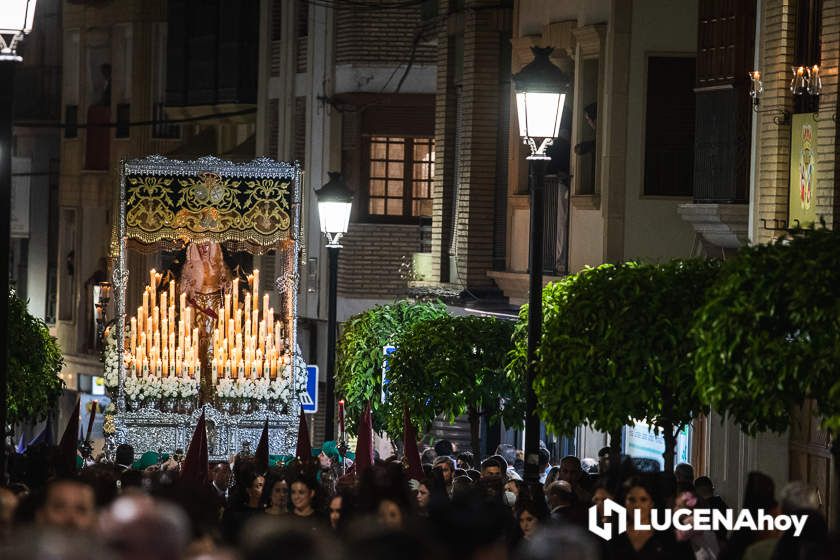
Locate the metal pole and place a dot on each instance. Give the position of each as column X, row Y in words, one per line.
column 7, row 90
column 536, row 172
column 329, row 405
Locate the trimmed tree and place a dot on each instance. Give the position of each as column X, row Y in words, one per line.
column 452, row 366
column 769, row 335
column 615, row 349
column 35, row 361
column 359, row 362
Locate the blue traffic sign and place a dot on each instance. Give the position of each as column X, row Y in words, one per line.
column 309, row 398
column 386, row 351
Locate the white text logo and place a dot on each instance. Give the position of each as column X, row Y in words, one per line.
column 684, row 519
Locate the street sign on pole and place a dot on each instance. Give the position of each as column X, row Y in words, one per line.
column 386, row 351
column 309, row 398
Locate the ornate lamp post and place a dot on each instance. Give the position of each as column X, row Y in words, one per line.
column 334, row 203
column 541, row 89
column 16, row 17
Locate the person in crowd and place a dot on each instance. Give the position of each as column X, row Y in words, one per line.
column 560, row 543
column 544, row 464
column 8, row 504
column 138, row 527
column 563, row 505
column 571, row 472
column 800, row 498
column 704, row 543
column 69, row 503
column 390, row 515
column 446, row 465
column 704, row 489
column 335, row 507
column 423, row 496
column 531, row 514
column 461, row 485
column 684, row 473
column 599, row 496
column 444, row 447
column 220, row 479
column 124, row 458
column 245, row 503
column 466, row 460
column 304, row 493
column 639, row 542
column 494, row 466
column 277, row 495
column 428, row 457
column 604, row 460
column 759, row 494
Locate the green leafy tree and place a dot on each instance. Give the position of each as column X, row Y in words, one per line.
column 769, row 334
column 452, row 366
column 359, row 360
column 34, row 364
column 615, row 348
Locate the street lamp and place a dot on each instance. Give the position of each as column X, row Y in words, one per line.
column 541, row 89
column 16, row 17
column 334, row 203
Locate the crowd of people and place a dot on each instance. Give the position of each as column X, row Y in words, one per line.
column 461, row 508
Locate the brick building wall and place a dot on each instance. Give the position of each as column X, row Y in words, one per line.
column 384, row 36
column 469, row 114
column 369, row 263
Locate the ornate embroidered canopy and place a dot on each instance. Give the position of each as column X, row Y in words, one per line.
column 243, row 206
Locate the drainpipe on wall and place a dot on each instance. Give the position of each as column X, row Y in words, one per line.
column 751, row 233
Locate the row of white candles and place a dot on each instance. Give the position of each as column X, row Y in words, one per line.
column 244, row 345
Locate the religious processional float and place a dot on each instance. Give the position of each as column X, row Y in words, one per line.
column 202, row 336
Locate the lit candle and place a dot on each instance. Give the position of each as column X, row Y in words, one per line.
column 145, row 303
column 237, row 322
column 227, row 305
column 172, row 292
column 152, row 287
column 133, row 334
column 256, row 288
column 241, row 371
column 158, row 368
column 155, row 319
column 265, row 306
column 266, row 369
column 145, row 367
column 236, row 293
column 183, row 302
column 163, row 306
column 227, row 369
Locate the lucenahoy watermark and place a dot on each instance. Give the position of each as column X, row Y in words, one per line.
column 699, row 519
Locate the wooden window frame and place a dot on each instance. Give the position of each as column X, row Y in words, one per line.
column 364, row 214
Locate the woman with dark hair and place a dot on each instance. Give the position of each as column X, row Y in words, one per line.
column 637, row 543
column 246, row 502
column 276, row 495
column 303, row 492
column 530, row 515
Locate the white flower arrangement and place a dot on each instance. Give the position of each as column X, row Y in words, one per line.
column 244, row 388
column 170, row 387
column 133, row 388
column 226, row 388
column 152, row 388
column 111, row 360
column 188, row 388
column 261, row 387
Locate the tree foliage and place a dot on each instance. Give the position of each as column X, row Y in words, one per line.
column 615, row 347
column 359, row 360
column 35, row 361
column 769, row 333
column 452, row 366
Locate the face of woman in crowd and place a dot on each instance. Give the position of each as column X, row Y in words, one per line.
column 598, row 499
column 423, row 495
column 302, row 496
column 335, row 511
column 390, row 515
column 511, row 486
column 638, row 499
column 280, row 494
column 528, row 524
column 256, row 490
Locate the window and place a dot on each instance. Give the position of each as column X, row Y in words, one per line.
column 399, row 177
column 669, row 126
